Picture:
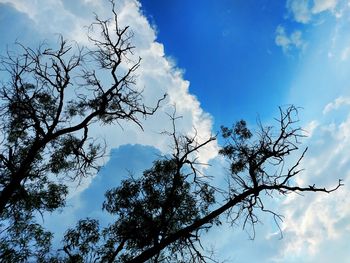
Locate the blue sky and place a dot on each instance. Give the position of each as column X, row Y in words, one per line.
column 220, row 61
column 223, row 47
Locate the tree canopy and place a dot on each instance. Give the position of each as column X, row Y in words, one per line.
column 49, row 102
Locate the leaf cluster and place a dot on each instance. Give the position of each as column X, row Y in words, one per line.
column 48, row 102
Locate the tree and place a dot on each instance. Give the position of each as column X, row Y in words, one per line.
column 51, row 99
column 161, row 215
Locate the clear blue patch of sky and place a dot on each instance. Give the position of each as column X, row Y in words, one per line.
column 228, row 51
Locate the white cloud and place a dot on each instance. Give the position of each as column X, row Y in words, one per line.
column 345, row 54
column 339, row 38
column 300, row 10
column 27, row 7
column 323, row 5
column 51, row 17
column 310, row 128
column 304, row 10
column 336, row 104
column 289, row 42
column 314, row 222
column 157, row 74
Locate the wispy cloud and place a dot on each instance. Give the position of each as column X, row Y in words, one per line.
column 345, row 53
column 304, row 10
column 289, row 41
column 310, row 128
column 300, row 9
column 323, row 5
column 336, row 104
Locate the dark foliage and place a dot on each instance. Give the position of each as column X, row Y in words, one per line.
column 50, row 100
column 160, row 216
column 149, row 210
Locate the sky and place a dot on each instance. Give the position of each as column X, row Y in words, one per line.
column 220, row 61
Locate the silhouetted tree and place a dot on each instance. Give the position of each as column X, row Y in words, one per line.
column 160, row 216
column 49, row 102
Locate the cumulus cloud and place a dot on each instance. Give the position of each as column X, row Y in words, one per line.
column 289, row 42
column 314, row 222
column 336, row 104
column 51, row 17
column 315, row 226
column 157, row 74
